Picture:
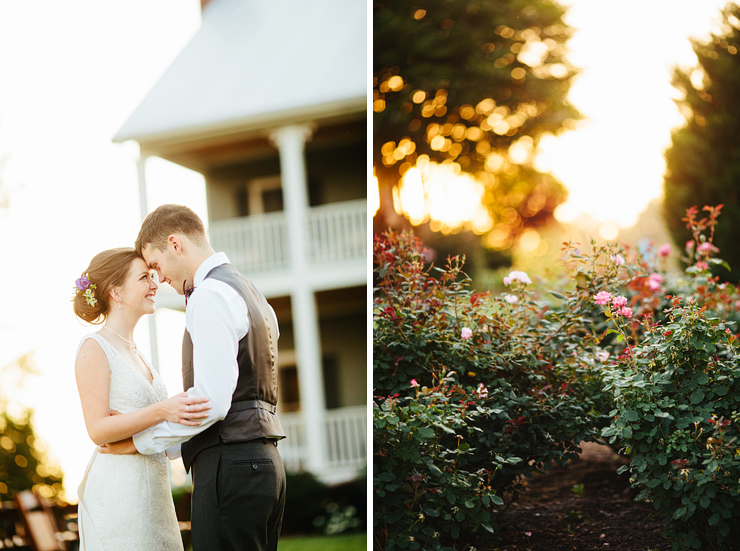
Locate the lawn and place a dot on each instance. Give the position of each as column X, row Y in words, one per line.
column 342, row 542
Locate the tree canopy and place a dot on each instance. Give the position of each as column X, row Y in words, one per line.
column 475, row 84
column 703, row 161
column 24, row 463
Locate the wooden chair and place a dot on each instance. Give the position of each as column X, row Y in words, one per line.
column 12, row 528
column 41, row 525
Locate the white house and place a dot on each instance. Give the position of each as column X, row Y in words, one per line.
column 268, row 102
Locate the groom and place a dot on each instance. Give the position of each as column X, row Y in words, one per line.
column 229, row 355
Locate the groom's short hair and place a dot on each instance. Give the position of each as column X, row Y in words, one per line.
column 166, row 220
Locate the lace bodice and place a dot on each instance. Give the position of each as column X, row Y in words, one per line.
column 129, row 389
column 125, row 500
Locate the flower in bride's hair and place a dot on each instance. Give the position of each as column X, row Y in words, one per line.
column 82, row 284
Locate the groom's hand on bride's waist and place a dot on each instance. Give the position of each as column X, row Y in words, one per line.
column 122, row 447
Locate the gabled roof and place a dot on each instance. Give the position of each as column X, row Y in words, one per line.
column 255, row 63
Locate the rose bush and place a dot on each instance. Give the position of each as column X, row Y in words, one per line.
column 476, row 392
column 472, row 394
column 677, row 398
column 677, row 401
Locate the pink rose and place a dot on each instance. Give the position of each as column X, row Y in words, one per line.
column 517, row 276
column 619, row 302
column 482, row 391
column 511, row 299
column 664, row 250
column 705, row 247
column 618, row 259
column 654, row 281
column 626, row 312
column 414, row 383
column 702, row 265
column 602, row 297
column 466, row 333
column 689, row 245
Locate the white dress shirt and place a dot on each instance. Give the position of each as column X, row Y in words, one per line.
column 217, row 319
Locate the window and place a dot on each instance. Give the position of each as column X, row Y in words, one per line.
column 265, row 195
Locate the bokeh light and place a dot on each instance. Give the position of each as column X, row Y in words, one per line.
column 443, row 195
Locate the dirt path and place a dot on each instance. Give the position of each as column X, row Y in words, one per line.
column 583, row 506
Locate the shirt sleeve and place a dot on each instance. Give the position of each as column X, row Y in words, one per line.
column 216, row 321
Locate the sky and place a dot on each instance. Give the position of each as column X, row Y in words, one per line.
column 613, row 164
column 72, row 73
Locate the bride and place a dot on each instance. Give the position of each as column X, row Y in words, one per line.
column 125, row 501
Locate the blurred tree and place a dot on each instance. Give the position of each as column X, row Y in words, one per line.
column 23, row 460
column 476, row 84
column 703, row 161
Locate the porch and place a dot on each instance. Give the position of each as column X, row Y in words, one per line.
column 334, row 234
column 345, row 455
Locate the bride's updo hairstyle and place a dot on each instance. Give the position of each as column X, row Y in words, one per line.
column 91, row 301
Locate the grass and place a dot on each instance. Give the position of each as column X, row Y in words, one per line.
column 341, row 542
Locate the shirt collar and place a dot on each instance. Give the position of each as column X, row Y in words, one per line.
column 209, row 264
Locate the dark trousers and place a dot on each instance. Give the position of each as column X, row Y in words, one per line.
column 238, row 497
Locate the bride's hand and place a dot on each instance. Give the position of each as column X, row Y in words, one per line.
column 185, row 409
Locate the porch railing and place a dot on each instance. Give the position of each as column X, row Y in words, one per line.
column 337, row 231
column 253, row 243
column 346, row 438
column 259, row 243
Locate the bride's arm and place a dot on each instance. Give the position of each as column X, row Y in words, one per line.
column 93, row 383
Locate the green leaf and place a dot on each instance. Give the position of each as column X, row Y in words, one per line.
column 487, row 526
column 557, row 295
column 497, row 500
column 426, row 432
column 434, row 469
column 642, row 495
column 444, row 428
column 681, row 511
column 697, row 396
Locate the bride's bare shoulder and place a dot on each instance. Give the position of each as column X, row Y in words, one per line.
column 90, row 355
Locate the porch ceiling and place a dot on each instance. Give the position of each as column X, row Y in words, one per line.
column 201, row 153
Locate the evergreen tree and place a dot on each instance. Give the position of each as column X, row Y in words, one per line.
column 24, row 464
column 461, row 82
column 703, row 161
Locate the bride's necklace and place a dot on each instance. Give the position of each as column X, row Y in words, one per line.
column 132, row 345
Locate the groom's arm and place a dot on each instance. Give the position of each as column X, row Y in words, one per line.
column 216, row 318
column 122, row 447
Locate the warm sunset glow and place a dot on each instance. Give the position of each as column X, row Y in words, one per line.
column 444, row 195
column 373, row 197
column 612, row 163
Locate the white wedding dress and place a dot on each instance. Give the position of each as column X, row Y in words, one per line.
column 125, row 501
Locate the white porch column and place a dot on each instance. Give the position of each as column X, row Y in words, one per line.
column 290, row 141
column 144, row 208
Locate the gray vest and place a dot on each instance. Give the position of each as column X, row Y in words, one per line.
column 253, row 404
